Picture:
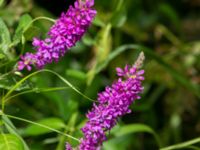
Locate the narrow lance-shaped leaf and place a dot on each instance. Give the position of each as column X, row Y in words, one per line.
column 102, row 50
column 119, row 15
column 35, row 130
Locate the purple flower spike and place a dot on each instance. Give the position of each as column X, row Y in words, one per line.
column 113, row 103
column 63, row 35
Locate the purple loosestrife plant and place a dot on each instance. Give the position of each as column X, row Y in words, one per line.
column 63, row 35
column 113, row 103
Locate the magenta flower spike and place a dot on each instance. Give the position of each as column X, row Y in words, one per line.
column 63, row 35
column 113, row 103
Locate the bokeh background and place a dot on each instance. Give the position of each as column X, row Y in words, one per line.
column 168, row 31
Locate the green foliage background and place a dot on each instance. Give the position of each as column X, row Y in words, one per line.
column 41, row 109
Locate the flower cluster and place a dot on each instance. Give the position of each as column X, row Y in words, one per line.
column 113, row 103
column 64, row 34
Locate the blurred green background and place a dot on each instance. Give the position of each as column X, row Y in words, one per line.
column 169, row 34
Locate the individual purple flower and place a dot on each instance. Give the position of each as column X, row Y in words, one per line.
column 63, row 35
column 113, row 103
column 68, row 146
column 26, row 61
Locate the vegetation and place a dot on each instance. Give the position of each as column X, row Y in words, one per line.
column 44, row 109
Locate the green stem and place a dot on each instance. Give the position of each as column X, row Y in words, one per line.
column 37, row 90
column 34, row 73
column 182, row 145
column 41, row 125
column 15, row 86
column 38, row 18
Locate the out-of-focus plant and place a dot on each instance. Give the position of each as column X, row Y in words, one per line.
column 169, row 107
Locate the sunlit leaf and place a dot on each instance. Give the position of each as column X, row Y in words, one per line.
column 11, row 128
column 102, row 49
column 4, row 39
column 10, row 142
column 4, row 32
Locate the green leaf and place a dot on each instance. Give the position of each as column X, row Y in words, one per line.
column 88, row 40
column 10, row 142
column 24, row 21
column 2, row 56
column 182, row 145
column 135, row 128
column 119, row 16
column 1, row 2
column 103, row 44
column 26, row 30
column 119, row 19
column 34, row 130
column 102, row 49
column 11, row 128
column 98, row 22
column 76, row 74
column 70, row 124
column 4, row 32
column 5, row 39
column 193, row 147
column 119, row 143
column 31, row 32
column 169, row 13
